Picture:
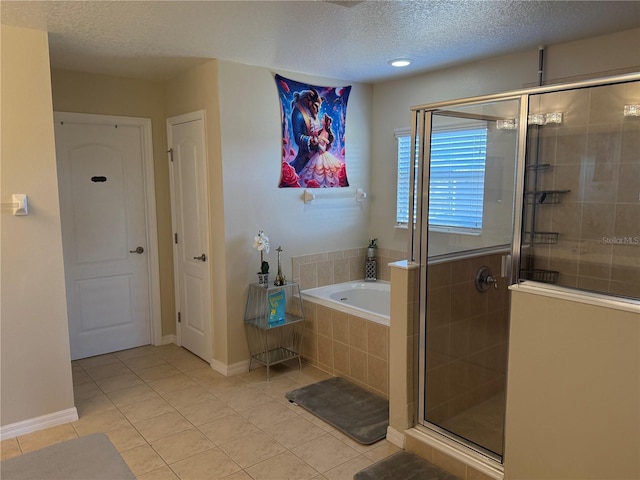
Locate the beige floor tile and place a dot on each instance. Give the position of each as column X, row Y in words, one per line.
column 136, row 394
column 157, row 372
column 182, row 445
column 211, row 464
column 125, row 438
column 136, row 352
column 227, row 429
column 142, row 459
column 9, row 448
column 187, row 396
column 162, row 426
column 79, row 376
column 241, row 475
column 268, row 413
column 381, row 450
column 147, row 361
column 44, row 438
column 86, row 390
column 207, row 411
column 164, row 473
column 188, row 363
column 241, row 397
column 347, row 470
column 89, row 406
column 295, row 432
column 358, row 447
column 285, row 466
column 252, row 449
column 107, row 370
column 218, row 386
column 310, row 417
column 171, row 384
column 100, row 422
column 98, row 360
column 204, row 374
column 278, row 387
column 119, row 382
column 325, row 453
column 141, row 411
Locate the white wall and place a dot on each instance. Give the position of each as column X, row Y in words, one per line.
column 36, row 364
column 251, row 145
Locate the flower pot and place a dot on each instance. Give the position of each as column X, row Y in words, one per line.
column 263, row 279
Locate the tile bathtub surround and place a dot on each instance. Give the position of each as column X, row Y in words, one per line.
column 328, row 268
column 172, row 417
column 347, row 346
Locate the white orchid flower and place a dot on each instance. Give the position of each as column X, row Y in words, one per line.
column 261, row 242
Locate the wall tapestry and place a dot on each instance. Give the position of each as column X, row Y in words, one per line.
column 313, row 123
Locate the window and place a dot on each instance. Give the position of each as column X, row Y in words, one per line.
column 456, row 190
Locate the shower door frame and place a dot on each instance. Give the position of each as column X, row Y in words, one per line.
column 417, row 248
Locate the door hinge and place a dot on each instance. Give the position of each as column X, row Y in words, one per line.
column 170, row 152
column 175, row 237
column 179, row 318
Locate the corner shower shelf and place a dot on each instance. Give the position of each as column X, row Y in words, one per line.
column 539, row 166
column 545, row 197
column 274, row 324
column 538, row 275
column 543, row 238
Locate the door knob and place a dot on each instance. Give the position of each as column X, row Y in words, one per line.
column 138, row 250
column 202, row 258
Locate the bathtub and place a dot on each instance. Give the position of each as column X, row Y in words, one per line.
column 369, row 300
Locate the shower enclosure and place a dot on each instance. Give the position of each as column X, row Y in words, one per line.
column 539, row 186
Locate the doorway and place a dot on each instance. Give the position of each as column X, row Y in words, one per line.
column 468, row 205
column 190, row 215
column 107, row 207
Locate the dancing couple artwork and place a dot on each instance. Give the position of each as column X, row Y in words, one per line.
column 313, row 123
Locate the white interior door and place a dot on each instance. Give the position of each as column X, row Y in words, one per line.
column 106, row 248
column 186, row 139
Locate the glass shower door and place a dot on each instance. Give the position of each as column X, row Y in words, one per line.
column 467, row 237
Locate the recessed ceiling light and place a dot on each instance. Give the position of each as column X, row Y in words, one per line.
column 399, row 62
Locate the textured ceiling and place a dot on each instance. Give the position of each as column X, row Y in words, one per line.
column 345, row 40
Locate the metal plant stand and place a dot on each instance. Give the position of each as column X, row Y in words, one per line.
column 274, row 324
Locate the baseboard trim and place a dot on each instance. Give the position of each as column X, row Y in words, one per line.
column 395, row 437
column 167, row 339
column 38, row 423
column 230, row 370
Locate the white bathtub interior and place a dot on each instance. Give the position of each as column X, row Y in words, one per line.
column 369, row 300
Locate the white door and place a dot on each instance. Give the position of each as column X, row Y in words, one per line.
column 104, row 232
column 189, row 199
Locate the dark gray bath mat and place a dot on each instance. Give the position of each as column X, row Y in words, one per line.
column 403, row 466
column 85, row 458
column 351, row 409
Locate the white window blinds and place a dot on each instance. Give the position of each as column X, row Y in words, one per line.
column 456, row 190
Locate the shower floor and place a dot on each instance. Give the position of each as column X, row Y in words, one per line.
column 482, row 424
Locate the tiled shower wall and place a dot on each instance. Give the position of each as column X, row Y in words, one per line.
column 327, row 268
column 467, row 337
column 594, row 153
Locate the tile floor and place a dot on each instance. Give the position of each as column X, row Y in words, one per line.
column 171, row 416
